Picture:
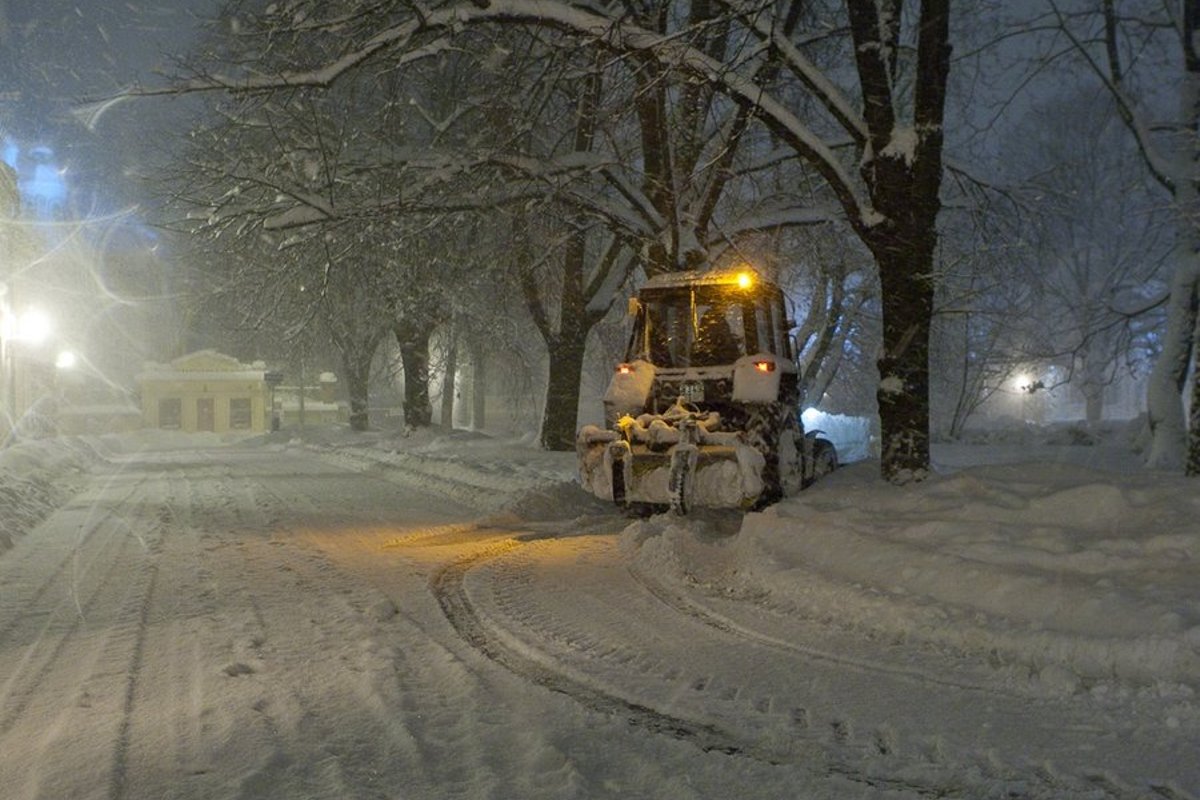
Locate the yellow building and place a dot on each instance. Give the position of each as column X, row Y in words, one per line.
column 205, row 391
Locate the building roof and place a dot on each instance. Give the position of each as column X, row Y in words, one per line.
column 206, row 365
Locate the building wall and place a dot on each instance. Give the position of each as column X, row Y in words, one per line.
column 205, row 387
column 192, row 393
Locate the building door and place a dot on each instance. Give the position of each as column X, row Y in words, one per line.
column 206, row 418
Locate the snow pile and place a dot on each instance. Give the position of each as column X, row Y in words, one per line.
column 35, row 478
column 1049, row 571
column 473, row 469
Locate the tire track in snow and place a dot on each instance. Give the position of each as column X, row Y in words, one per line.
column 120, row 763
column 305, row 742
column 62, row 697
column 724, row 624
column 24, row 607
column 437, row 720
column 870, row 759
column 448, row 585
column 37, row 665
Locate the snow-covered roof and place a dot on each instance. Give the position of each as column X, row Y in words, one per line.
column 208, row 365
column 686, row 278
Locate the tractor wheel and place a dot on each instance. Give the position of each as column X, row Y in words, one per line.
column 773, row 432
column 824, row 458
column 618, row 483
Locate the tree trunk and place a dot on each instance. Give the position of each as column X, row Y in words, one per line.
column 478, row 388
column 902, row 170
column 903, row 393
column 358, row 373
column 413, row 342
column 1094, row 381
column 562, row 389
column 1174, row 443
column 1168, row 378
column 1193, row 459
column 565, row 346
column 1093, row 405
column 449, row 361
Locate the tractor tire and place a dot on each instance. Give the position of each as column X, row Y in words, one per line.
column 618, row 483
column 774, row 431
column 825, row 458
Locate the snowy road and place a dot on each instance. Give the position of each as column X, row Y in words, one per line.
column 256, row 624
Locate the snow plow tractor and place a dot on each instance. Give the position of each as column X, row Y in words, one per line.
column 704, row 410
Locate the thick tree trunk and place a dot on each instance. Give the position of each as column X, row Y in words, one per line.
column 562, row 389
column 1168, row 378
column 413, row 342
column 1174, row 443
column 358, row 373
column 903, row 393
column 902, row 170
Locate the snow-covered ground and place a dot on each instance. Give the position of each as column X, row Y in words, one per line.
column 1057, row 580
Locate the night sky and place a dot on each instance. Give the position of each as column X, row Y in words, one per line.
column 56, row 56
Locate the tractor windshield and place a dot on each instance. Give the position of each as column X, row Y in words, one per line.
column 706, row 327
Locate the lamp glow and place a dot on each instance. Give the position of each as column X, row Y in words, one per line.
column 34, row 327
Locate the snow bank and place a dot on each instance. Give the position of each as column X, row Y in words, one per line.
column 1046, row 570
column 35, row 478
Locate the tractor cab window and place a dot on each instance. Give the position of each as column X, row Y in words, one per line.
column 702, row 328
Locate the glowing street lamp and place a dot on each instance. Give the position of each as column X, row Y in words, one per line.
column 30, row 328
column 33, row 327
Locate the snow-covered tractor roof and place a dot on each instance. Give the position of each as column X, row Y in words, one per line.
column 745, row 278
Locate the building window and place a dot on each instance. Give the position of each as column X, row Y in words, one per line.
column 170, row 413
column 239, row 413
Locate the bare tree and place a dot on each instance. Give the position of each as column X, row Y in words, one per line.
column 1129, row 52
column 1095, row 248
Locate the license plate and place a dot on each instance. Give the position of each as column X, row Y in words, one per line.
column 692, row 392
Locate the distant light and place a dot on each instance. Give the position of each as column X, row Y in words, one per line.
column 745, row 280
column 66, row 360
column 811, row 417
column 34, row 327
column 1023, row 382
column 764, row 365
column 624, row 369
